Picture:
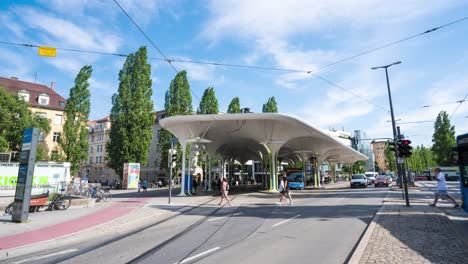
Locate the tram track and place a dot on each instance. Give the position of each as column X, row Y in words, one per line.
column 139, row 231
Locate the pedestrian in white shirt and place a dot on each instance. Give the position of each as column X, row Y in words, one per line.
column 442, row 189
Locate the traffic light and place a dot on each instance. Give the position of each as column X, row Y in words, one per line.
column 391, row 145
column 173, row 159
column 404, row 148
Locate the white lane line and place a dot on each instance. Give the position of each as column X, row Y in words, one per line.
column 217, row 218
column 221, row 217
column 46, row 256
column 199, row 255
column 285, row 221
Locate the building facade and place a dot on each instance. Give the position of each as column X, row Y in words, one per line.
column 43, row 101
column 95, row 168
column 378, row 148
column 363, row 145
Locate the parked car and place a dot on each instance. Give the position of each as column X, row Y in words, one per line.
column 370, row 175
column 383, row 180
column 420, row 178
column 358, row 180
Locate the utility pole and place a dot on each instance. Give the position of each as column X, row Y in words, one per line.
column 401, row 161
column 395, row 135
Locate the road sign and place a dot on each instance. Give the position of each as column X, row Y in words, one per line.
column 47, row 51
column 400, row 160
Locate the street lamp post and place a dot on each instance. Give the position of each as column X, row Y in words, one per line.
column 395, row 134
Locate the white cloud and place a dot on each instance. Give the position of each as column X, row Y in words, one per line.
column 196, row 72
column 69, row 34
column 102, row 86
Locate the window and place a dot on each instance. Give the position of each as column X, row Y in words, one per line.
column 100, row 159
column 58, row 119
column 92, row 139
column 43, row 99
column 41, row 114
column 91, row 160
column 92, row 149
column 56, row 136
column 61, row 103
column 97, row 159
column 23, row 95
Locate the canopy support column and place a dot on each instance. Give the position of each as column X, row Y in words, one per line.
column 209, row 172
column 182, row 187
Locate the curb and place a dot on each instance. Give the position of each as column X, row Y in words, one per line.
column 364, row 241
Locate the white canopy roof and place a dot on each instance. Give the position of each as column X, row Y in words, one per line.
column 250, row 136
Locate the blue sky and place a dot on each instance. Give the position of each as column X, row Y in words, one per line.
column 300, row 34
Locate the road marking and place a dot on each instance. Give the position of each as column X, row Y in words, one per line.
column 217, row 218
column 285, row 221
column 221, row 217
column 199, row 255
column 46, row 256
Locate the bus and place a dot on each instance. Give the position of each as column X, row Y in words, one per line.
column 462, row 153
column 295, row 178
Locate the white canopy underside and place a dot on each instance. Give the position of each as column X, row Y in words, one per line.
column 250, row 136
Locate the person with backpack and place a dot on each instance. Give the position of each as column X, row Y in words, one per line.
column 224, row 191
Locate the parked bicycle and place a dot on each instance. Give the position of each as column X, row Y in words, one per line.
column 101, row 194
column 61, row 202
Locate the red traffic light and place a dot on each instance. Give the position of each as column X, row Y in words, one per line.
column 406, row 142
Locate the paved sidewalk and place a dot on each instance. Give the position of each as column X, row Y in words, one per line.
column 416, row 234
column 47, row 226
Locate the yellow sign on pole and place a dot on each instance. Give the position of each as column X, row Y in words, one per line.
column 47, row 51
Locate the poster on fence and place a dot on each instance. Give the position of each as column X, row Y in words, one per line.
column 131, row 175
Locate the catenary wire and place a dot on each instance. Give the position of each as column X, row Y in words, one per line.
column 152, row 43
column 170, row 60
column 458, row 106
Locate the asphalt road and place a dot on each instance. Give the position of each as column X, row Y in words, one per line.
column 323, row 226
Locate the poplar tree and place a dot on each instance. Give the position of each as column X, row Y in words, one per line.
column 132, row 115
column 270, row 106
column 178, row 101
column 443, row 139
column 74, row 140
column 234, row 106
column 208, row 103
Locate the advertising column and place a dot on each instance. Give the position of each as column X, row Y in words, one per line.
column 131, row 175
column 25, row 175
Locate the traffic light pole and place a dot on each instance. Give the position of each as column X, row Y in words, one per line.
column 403, row 172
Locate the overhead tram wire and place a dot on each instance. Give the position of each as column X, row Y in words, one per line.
column 169, row 60
column 390, row 44
column 152, row 43
column 458, row 106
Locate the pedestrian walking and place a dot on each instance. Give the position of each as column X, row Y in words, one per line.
column 224, row 191
column 285, row 192
column 139, row 185
column 145, row 186
column 442, row 189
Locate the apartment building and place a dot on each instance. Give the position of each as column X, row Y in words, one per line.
column 379, row 152
column 43, row 101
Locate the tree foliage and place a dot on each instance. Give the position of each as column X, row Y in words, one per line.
column 74, row 140
column 178, row 102
column 15, row 117
column 208, row 103
column 421, row 159
column 131, row 114
column 270, row 106
column 443, row 139
column 390, row 161
column 359, row 166
column 234, row 106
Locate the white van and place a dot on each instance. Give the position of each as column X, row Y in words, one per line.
column 370, row 175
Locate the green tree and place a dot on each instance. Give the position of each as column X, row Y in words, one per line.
column 234, row 106
column 132, row 114
column 178, row 101
column 15, row 117
column 389, row 158
column 74, row 140
column 208, row 103
column 270, row 106
column 359, row 166
column 443, row 139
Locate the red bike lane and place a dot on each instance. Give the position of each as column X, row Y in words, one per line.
column 69, row 227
